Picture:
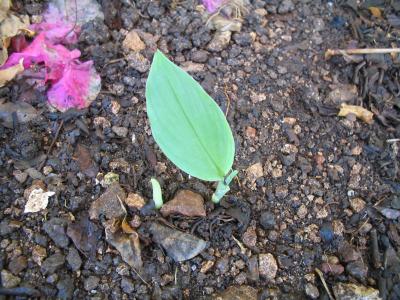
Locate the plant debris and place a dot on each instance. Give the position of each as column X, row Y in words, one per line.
column 360, row 112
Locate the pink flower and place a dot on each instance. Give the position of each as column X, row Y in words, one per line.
column 212, row 5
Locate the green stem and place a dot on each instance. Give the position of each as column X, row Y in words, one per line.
column 157, row 193
column 223, row 187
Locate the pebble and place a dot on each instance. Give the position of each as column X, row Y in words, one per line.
column 138, row 62
column 267, row 220
column 254, row 172
column 348, row 253
column 312, row 291
column 281, row 191
column 267, row 266
column 109, row 203
column 38, row 254
column 74, row 260
column 357, row 269
column 127, row 285
column 220, row 41
column 222, row 265
column 55, row 229
column 285, row 7
column 18, row 264
column 120, row 131
column 350, row 291
column 357, row 204
column 242, row 292
column 186, row 203
column 249, row 237
column 91, row 283
column 53, row 263
column 302, row 211
column 133, row 42
column 20, row 176
column 8, row 280
column 335, row 269
column 200, row 56
column 65, row 288
column 254, row 273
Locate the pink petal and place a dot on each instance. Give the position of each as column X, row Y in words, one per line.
column 212, row 5
column 78, row 87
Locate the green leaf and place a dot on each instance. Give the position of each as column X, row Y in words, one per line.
column 157, row 193
column 186, row 123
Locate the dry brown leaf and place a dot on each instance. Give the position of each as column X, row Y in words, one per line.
column 126, row 227
column 360, row 112
column 9, row 73
column 4, row 8
column 375, row 11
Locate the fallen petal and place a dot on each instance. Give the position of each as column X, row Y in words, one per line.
column 127, row 244
column 109, row 203
column 179, row 246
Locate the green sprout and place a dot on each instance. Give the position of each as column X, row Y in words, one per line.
column 189, row 126
column 157, row 193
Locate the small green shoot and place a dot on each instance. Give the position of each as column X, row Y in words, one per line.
column 157, row 193
column 188, row 125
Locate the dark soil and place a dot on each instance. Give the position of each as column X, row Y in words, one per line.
column 276, row 87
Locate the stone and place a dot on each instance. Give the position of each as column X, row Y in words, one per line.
column 8, row 280
column 311, row 291
column 133, row 42
column 357, row 204
column 267, row 266
column 120, row 131
column 243, row 292
column 138, row 62
column 53, row 263
column 56, row 230
column 254, row 273
column 348, row 253
column 38, row 254
column 220, row 41
column 127, row 285
column 91, row 283
column 267, row 220
column 18, row 264
column 74, row 259
column 109, row 203
column 254, row 172
column 285, row 7
column 186, row 203
column 249, row 237
column 334, row 269
column 200, row 56
column 65, row 288
column 302, row 211
column 357, row 269
column 350, row 291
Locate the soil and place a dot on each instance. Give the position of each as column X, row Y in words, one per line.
column 310, row 183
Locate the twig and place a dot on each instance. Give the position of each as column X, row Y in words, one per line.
column 242, row 248
column 331, row 52
column 52, row 144
column 227, row 99
column 321, row 276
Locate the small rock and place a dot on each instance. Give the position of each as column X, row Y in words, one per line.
column 135, row 201
column 20, row 176
column 255, row 98
column 285, row 7
column 85, row 161
column 133, row 42
column 192, row 67
column 220, row 41
column 243, row 292
column 249, row 237
column 343, row 93
column 348, row 253
column 267, row 220
column 358, row 270
column 200, row 56
column 335, row 269
column 65, row 288
column 38, row 254
column 254, row 273
column 18, row 264
column 267, row 266
column 302, row 211
column 127, row 285
column 74, row 260
column 338, row 227
column 222, row 265
column 120, row 131
column 250, row 132
column 179, row 246
column 109, row 203
column 8, row 280
column 138, row 62
column 91, row 283
column 289, row 149
column 350, row 291
column 186, row 203
column 56, row 230
column 312, row 291
column 254, row 172
column 206, row 266
column 357, row 204
column 53, row 263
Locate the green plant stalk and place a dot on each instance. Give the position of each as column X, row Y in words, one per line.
column 157, row 193
column 223, row 187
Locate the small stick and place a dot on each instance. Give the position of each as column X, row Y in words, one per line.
column 375, row 249
column 331, row 52
column 52, row 144
column 321, row 276
column 227, row 99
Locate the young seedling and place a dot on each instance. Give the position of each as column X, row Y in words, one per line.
column 189, row 126
column 157, row 193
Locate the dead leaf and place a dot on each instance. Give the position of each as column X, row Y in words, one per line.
column 4, row 8
column 128, row 245
column 375, row 11
column 8, row 74
column 37, row 200
column 126, row 227
column 360, row 112
column 24, row 112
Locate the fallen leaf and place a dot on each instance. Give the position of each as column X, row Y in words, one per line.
column 109, row 204
column 128, row 245
column 24, row 112
column 360, row 112
column 126, row 227
column 375, row 11
column 9, row 73
column 86, row 164
column 37, row 200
